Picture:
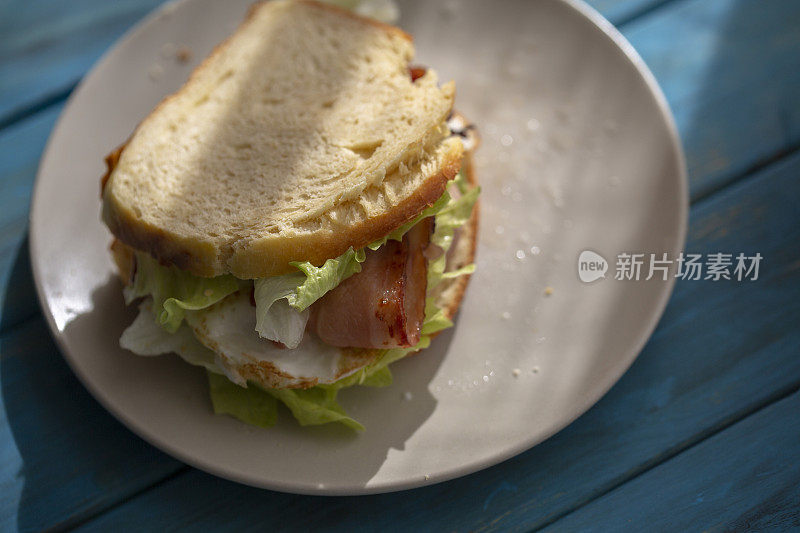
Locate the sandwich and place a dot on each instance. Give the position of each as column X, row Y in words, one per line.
column 298, row 216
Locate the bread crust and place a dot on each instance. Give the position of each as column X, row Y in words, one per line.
column 263, row 257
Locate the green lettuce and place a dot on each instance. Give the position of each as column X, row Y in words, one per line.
column 282, row 301
column 275, row 318
column 397, row 235
column 314, row 406
column 259, row 407
column 320, row 280
column 175, row 291
column 251, row 405
column 453, row 215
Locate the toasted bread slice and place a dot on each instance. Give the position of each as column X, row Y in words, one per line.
column 298, row 137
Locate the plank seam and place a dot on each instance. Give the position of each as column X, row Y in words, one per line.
column 90, row 514
column 6, row 329
column 26, row 111
column 751, row 171
column 677, row 450
column 642, row 12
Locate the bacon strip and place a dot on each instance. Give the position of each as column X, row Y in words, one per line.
column 382, row 306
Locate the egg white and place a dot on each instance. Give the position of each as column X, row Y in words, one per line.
column 228, row 328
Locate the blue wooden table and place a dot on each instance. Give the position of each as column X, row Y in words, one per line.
column 703, row 432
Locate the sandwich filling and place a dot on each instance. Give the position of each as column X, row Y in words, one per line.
column 306, row 334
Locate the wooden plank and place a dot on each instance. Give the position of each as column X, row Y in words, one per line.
column 722, row 349
column 46, row 47
column 744, row 478
column 62, row 456
column 731, row 73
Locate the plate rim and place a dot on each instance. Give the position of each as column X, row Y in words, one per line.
column 581, row 9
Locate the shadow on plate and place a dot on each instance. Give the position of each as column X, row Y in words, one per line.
column 359, row 455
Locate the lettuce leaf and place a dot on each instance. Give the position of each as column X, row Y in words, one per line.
column 435, row 319
column 282, row 301
column 453, row 215
column 397, row 235
column 320, row 280
column 313, row 406
column 275, row 319
column 175, row 291
column 259, row 407
column 250, row 405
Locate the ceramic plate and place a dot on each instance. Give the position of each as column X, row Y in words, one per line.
column 579, row 153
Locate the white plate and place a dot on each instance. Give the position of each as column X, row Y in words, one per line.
column 579, row 152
